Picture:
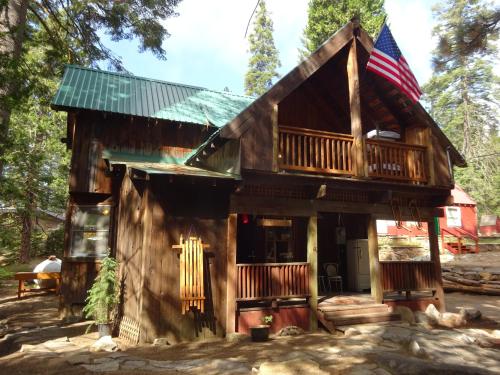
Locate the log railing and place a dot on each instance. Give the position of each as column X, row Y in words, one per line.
column 408, row 276
column 396, row 161
column 314, row 151
column 264, row 281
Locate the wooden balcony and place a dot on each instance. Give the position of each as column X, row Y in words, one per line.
column 314, row 151
column 396, row 161
column 267, row 281
column 408, row 276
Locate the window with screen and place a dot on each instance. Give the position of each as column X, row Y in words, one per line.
column 453, row 217
column 90, row 230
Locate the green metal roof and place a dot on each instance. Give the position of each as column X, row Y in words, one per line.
column 83, row 88
column 174, row 169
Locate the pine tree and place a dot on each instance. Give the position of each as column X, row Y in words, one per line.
column 463, row 94
column 264, row 60
column 325, row 17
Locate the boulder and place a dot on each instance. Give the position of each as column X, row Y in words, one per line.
column 160, row 341
column 470, row 314
column 104, row 344
column 349, row 332
column 406, row 314
column 421, row 317
column 433, row 313
column 452, row 320
column 415, row 349
column 290, row 331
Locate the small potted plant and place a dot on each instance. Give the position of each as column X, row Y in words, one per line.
column 103, row 296
column 261, row 332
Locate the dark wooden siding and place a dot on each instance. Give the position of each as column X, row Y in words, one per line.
column 443, row 177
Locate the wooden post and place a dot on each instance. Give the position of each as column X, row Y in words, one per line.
column 375, row 276
column 355, row 106
column 434, row 249
column 274, row 124
column 429, row 158
column 231, row 286
column 312, row 259
column 145, row 324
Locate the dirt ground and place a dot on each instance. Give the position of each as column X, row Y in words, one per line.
column 335, row 354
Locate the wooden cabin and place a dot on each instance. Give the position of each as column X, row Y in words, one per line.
column 223, row 208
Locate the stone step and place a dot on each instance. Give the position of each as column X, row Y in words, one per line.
column 364, row 318
column 331, row 312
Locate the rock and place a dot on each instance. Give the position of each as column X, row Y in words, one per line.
column 237, row 337
column 224, row 366
column 29, row 325
column 132, row 365
column 406, row 314
column 433, row 313
column 104, row 344
column 290, row 331
column 79, row 359
column 111, row 365
column 381, row 371
column 452, row 320
column 416, row 349
column 352, row 332
column 421, row 317
column 470, row 314
column 467, row 339
column 485, row 275
column 160, row 341
column 292, row 367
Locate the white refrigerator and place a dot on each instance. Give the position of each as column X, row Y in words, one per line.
column 358, row 265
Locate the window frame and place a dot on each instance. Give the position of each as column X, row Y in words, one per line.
column 73, row 229
column 451, row 221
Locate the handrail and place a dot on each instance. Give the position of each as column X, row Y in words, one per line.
column 268, row 281
column 459, row 233
column 394, row 160
column 317, row 151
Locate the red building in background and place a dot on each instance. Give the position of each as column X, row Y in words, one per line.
column 459, row 226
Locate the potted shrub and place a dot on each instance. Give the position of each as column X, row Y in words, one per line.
column 261, row 332
column 103, row 296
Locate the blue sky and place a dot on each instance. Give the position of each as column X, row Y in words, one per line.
column 207, row 46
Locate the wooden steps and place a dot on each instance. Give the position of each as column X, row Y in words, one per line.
column 333, row 315
column 452, row 247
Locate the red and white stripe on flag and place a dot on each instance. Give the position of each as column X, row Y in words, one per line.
column 396, row 71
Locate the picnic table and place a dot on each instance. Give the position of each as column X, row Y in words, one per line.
column 22, row 277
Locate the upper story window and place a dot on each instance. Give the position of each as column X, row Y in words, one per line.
column 453, row 217
column 90, row 227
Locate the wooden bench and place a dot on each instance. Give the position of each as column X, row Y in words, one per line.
column 23, row 276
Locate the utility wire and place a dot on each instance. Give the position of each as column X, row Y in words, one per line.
column 251, row 16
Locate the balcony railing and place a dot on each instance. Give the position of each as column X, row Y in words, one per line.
column 396, row 161
column 314, row 151
column 266, row 281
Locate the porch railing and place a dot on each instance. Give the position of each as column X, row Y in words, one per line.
column 264, row 281
column 314, row 151
column 397, row 161
column 407, row 276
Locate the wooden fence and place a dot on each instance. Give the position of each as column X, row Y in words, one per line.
column 260, row 281
column 314, row 151
column 407, row 276
column 394, row 160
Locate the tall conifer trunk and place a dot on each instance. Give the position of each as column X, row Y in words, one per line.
column 12, row 25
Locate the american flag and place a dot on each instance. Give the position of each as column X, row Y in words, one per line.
column 387, row 61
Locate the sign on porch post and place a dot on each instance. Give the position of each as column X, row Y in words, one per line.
column 192, row 290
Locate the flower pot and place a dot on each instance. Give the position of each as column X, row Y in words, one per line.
column 104, row 329
column 259, row 333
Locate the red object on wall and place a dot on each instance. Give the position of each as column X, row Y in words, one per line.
column 282, row 317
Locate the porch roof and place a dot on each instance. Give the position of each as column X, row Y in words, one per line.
column 153, row 168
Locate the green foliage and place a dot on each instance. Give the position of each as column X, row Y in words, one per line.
column 267, row 320
column 325, row 17
column 264, row 60
column 463, row 94
column 55, row 242
column 103, row 297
